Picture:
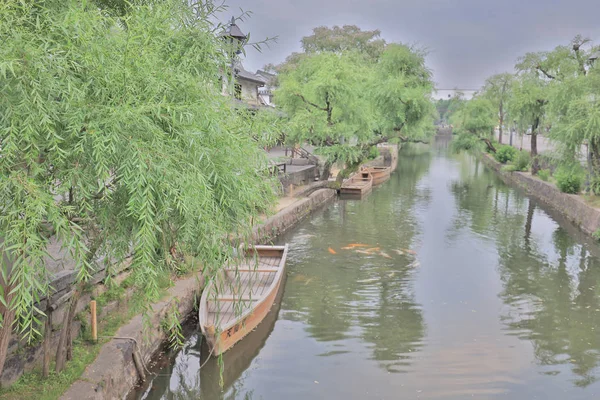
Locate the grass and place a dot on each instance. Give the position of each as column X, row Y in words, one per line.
column 33, row 385
column 592, row 200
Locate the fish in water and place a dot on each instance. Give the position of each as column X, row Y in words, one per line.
column 372, row 249
column 332, row 251
column 382, row 254
column 357, row 245
column 347, row 248
column 302, row 278
column 409, row 251
column 399, row 252
column 363, row 252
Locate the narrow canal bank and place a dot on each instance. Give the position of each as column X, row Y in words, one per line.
column 502, row 300
column 114, row 372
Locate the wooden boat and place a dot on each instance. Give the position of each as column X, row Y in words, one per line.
column 240, row 296
column 358, row 184
column 380, row 174
column 240, row 357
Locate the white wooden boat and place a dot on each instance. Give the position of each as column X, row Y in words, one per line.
column 240, row 296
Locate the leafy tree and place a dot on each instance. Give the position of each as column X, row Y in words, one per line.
column 348, row 90
column 401, row 93
column 325, row 98
column 497, row 90
column 343, row 39
column 475, row 118
column 115, row 140
column 544, row 73
column 574, row 109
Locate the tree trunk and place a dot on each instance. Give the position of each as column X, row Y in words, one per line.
column 501, row 123
column 489, row 145
column 326, row 171
column 594, row 166
column 535, row 166
column 47, row 338
column 8, row 318
column 65, row 341
column 528, row 222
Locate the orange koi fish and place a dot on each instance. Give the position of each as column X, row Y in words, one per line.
column 332, row 251
column 358, row 245
column 385, row 255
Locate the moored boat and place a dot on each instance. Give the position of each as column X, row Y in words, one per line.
column 380, row 174
column 358, row 184
column 240, row 296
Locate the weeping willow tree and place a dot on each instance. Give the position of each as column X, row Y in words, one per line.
column 401, row 92
column 349, row 90
column 474, row 122
column 114, row 140
column 325, row 97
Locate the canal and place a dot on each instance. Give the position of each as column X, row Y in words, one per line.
column 501, row 300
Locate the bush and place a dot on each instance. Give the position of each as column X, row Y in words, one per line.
column 509, row 168
column 569, row 179
column 544, row 174
column 505, row 154
column 466, row 141
column 521, row 160
column 373, row 153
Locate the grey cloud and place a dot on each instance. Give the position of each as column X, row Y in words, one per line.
column 468, row 40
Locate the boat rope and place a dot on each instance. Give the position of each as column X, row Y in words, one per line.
column 208, row 358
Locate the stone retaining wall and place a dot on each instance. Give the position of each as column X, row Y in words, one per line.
column 573, row 207
column 112, row 375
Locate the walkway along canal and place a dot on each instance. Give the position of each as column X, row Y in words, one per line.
column 501, row 300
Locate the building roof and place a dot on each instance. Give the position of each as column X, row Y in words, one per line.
column 241, row 73
column 233, row 30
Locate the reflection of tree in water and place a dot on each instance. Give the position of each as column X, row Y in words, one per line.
column 392, row 321
column 553, row 304
column 349, row 294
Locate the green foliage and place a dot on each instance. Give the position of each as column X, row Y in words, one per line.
column 116, row 140
column 569, row 179
column 373, row 153
column 522, row 160
column 172, row 327
column 596, row 234
column 505, row 154
column 476, row 117
column 466, row 141
column 544, row 174
column 346, row 92
column 509, row 168
column 401, row 93
column 342, row 39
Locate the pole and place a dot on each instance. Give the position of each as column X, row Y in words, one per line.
column 94, row 321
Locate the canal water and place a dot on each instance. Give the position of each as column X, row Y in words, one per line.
column 500, row 301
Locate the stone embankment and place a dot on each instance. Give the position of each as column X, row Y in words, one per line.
column 571, row 206
column 113, row 374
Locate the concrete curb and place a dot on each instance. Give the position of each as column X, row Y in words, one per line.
column 571, row 206
column 112, row 375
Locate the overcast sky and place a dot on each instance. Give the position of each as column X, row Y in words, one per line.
column 467, row 40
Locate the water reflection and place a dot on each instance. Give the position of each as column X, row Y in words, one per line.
column 502, row 300
column 550, row 278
